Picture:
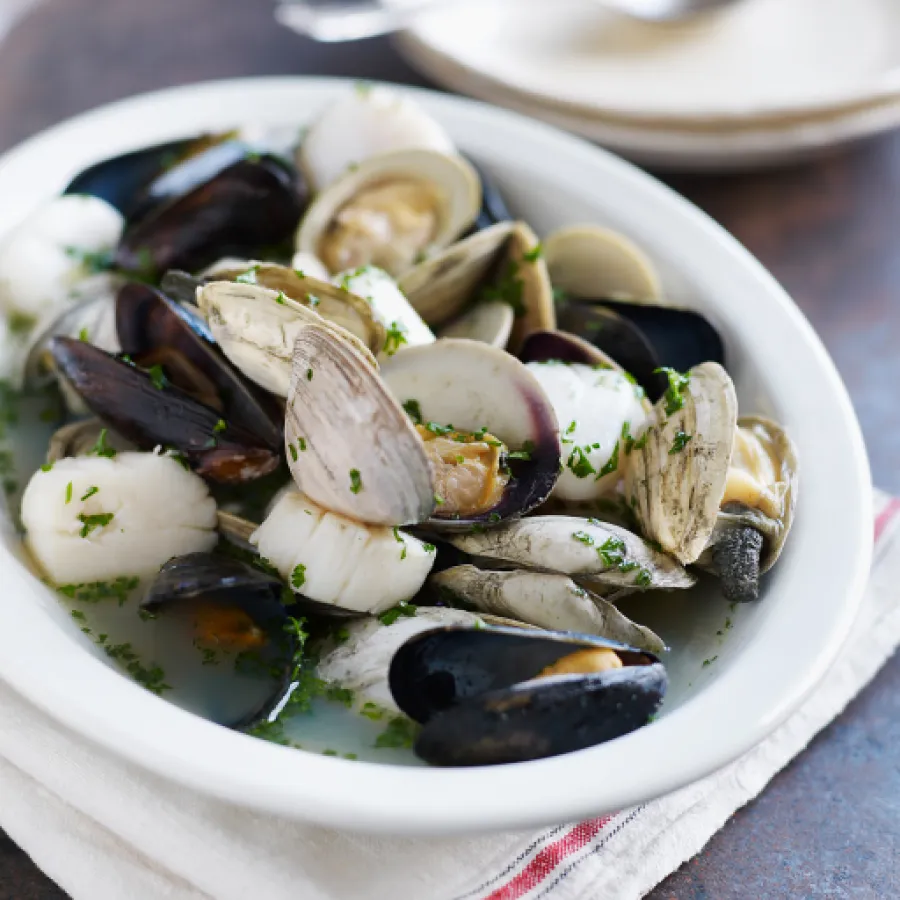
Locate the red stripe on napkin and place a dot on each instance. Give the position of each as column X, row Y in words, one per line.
column 548, row 859
column 886, row 516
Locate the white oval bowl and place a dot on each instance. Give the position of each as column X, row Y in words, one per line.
column 766, row 663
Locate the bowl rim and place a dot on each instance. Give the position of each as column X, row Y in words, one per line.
column 750, row 697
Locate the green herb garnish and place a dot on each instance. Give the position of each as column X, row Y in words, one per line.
column 534, row 254
column 101, row 448
column 298, row 577
column 674, row 395
column 395, row 338
column 356, row 484
column 248, row 277
column 89, row 492
column 403, row 608
column 681, row 439
column 413, row 410
column 90, row 523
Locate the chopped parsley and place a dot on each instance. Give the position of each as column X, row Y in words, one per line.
column 101, row 448
column 612, row 552
column 219, row 427
column 509, row 288
column 158, row 377
column 611, row 464
column 439, row 499
column 89, row 492
column 356, row 484
column 584, row 538
column 632, row 443
column 400, row 732
column 579, row 464
column 20, row 323
column 97, row 591
column 301, row 443
column 248, row 277
column 429, row 548
column 312, row 300
column 413, row 410
column 46, row 467
column 395, row 338
column 69, row 492
column 403, row 608
column 709, row 662
column 298, row 577
column 644, row 578
column 681, row 439
column 280, row 298
column 293, row 451
column 90, row 523
column 84, row 336
column 439, row 430
column 399, row 539
column 674, row 395
column 525, row 453
column 309, row 374
column 534, row 254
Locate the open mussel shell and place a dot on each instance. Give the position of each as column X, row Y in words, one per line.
column 492, row 695
column 442, row 188
column 473, row 386
column 497, row 265
column 217, row 614
column 128, row 400
column 153, row 330
column 543, row 599
column 122, row 180
column 249, row 206
column 591, row 261
column 256, row 328
column 603, row 557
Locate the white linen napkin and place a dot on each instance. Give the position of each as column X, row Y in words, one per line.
column 103, row 828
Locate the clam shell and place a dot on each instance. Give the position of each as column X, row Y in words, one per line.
column 350, row 423
column 595, row 262
column 675, row 494
column 459, row 191
column 545, row 600
column 584, row 549
column 256, row 328
column 333, row 303
column 491, row 323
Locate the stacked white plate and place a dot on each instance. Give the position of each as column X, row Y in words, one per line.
column 757, row 83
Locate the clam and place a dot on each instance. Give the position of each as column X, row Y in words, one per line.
column 455, row 432
column 499, row 265
column 370, row 121
column 81, row 437
column 222, row 623
column 256, row 326
column 147, row 410
column 713, row 489
column 390, row 210
column 493, row 695
column 544, row 599
column 246, row 207
column 605, row 558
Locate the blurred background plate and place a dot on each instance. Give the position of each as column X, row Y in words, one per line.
column 759, row 83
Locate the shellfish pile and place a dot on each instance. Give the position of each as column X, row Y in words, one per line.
column 343, row 417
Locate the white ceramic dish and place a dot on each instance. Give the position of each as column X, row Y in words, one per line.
column 766, row 663
column 759, row 83
column 709, row 147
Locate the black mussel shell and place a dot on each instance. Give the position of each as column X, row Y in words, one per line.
column 475, row 693
column 153, row 414
column 122, row 180
column 233, row 614
column 619, row 338
column 244, row 210
column 493, row 206
column 181, row 286
column 153, row 330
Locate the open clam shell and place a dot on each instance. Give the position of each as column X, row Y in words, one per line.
column 423, row 198
column 497, row 265
column 675, row 481
column 350, row 420
column 604, row 557
column 495, row 695
column 544, row 599
column 79, row 438
column 591, row 261
column 256, row 328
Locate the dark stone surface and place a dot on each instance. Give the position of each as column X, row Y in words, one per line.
column 829, row 825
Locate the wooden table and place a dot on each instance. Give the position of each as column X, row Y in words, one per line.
column 829, row 825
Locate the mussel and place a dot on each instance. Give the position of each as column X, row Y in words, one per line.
column 221, row 628
column 493, row 695
column 455, row 432
column 146, row 409
column 713, row 489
